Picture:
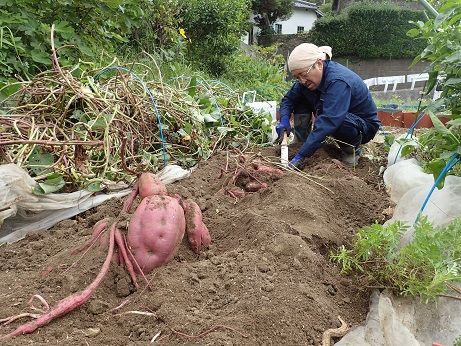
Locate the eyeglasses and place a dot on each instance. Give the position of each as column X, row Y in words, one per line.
column 303, row 75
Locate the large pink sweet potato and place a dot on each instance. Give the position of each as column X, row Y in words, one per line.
column 155, row 231
column 197, row 233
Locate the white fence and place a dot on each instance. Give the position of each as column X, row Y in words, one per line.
column 394, row 80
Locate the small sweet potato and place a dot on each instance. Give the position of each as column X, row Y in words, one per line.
column 273, row 172
column 254, row 186
column 197, row 233
column 155, row 231
column 98, row 236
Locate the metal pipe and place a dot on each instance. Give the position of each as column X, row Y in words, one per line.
column 429, row 8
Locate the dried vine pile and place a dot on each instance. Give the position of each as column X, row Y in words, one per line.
column 93, row 131
column 80, row 129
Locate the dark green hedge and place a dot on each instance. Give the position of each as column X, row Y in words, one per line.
column 368, row 31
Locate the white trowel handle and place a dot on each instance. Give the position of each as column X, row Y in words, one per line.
column 285, row 138
column 284, row 150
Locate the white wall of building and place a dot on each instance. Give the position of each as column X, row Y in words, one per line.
column 301, row 17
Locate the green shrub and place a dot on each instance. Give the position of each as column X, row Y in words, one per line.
column 435, row 148
column 369, row 30
column 158, row 27
column 214, row 28
column 262, row 71
column 442, row 45
column 331, row 31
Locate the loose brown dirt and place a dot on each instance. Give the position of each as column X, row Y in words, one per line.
column 266, row 279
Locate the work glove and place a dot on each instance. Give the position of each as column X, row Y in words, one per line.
column 295, row 162
column 283, row 126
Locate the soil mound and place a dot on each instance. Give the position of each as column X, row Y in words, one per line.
column 266, row 279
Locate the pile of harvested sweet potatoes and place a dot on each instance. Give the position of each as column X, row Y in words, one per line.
column 249, row 175
column 155, row 231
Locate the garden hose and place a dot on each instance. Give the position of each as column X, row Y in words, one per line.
column 412, row 128
column 454, row 159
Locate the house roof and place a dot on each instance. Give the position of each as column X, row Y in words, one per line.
column 305, row 4
column 309, row 6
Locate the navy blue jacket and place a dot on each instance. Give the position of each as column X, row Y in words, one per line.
column 341, row 91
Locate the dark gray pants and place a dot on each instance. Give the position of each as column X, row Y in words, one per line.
column 355, row 131
column 302, row 127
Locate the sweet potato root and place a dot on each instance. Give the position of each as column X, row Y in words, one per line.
column 155, row 231
column 124, row 259
column 236, row 192
column 250, row 176
column 96, row 236
column 71, row 302
column 197, row 233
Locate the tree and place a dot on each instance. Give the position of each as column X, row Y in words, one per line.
column 214, row 28
column 267, row 12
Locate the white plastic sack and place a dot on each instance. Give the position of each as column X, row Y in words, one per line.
column 404, row 176
column 394, row 321
column 16, row 188
column 443, row 206
column 22, row 211
column 267, row 106
column 171, row 173
column 409, row 187
column 16, row 227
